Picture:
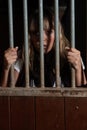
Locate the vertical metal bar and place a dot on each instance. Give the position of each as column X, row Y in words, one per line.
column 26, row 46
column 86, row 39
column 41, row 42
column 11, row 39
column 56, row 4
column 73, row 38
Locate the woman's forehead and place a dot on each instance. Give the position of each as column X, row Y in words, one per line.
column 46, row 25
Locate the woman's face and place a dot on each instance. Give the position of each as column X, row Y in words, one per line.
column 48, row 38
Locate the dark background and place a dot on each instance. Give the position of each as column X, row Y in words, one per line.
column 80, row 33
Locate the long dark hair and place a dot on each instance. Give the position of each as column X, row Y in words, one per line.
column 34, row 64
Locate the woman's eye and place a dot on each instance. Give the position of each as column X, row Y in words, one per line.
column 35, row 34
column 50, row 31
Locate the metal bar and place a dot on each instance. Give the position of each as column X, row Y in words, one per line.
column 11, row 39
column 73, row 38
column 26, row 43
column 86, row 38
column 10, row 9
column 56, row 4
column 41, row 42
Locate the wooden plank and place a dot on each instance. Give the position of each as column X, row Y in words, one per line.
column 76, row 113
column 22, row 113
column 49, row 113
column 4, row 113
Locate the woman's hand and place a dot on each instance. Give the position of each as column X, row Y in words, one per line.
column 10, row 56
column 74, row 57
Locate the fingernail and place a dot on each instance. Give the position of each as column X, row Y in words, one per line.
column 16, row 47
column 67, row 48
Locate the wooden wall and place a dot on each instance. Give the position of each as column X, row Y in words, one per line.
column 43, row 113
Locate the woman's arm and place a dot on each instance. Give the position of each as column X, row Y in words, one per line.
column 10, row 56
column 74, row 57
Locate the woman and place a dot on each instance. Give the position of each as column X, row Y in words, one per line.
column 68, row 56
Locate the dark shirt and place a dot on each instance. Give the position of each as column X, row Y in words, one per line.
column 49, row 73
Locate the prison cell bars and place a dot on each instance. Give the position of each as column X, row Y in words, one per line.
column 73, row 39
column 57, row 66
column 10, row 8
column 41, row 40
column 41, row 43
column 11, row 39
column 26, row 43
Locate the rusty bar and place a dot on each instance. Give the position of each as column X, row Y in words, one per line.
column 11, row 38
column 26, row 46
column 41, row 42
column 56, row 4
column 73, row 39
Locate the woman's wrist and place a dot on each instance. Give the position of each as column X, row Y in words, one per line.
column 7, row 67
